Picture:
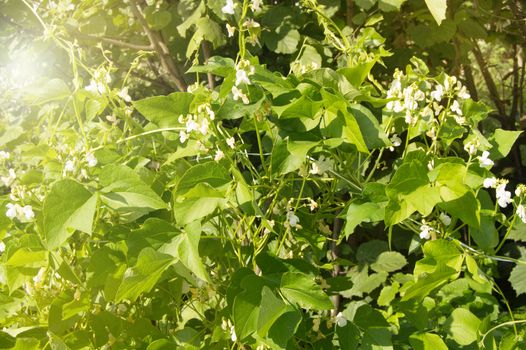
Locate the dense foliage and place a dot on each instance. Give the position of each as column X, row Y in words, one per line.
column 261, row 175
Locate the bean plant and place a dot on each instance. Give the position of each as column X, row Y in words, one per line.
column 317, row 208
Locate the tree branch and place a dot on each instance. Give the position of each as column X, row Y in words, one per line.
column 205, row 46
column 490, row 83
column 470, row 81
column 349, row 12
column 167, row 62
column 115, row 42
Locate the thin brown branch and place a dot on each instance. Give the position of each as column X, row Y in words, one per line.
column 115, row 42
column 515, row 85
column 335, row 252
column 470, row 81
column 490, row 82
column 156, row 40
column 349, row 12
column 207, row 53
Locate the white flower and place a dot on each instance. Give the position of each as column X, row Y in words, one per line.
column 312, row 204
column 256, row 5
column 229, row 7
column 40, row 276
column 96, row 87
column 425, row 231
column 437, row 93
column 292, row 218
column 233, row 335
column 219, row 155
column 489, row 182
column 91, row 160
column 27, row 212
column 463, row 93
column 396, row 141
column 520, row 190
column 11, row 211
column 484, row 161
column 204, row 126
column 69, row 166
column 183, row 136
column 231, row 142
column 321, row 166
column 8, row 180
column 521, row 213
column 4, row 155
column 471, row 148
column 237, row 94
column 231, row 30
column 2, row 247
column 431, row 164
column 341, row 321
column 211, row 113
column 503, row 196
column 191, row 125
column 455, row 107
column 124, row 95
column 242, row 77
column 446, row 219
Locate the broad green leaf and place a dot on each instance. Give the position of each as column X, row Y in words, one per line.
column 245, row 309
column 46, row 91
column 486, row 236
column 158, row 19
column 390, row 5
column 363, row 282
column 283, row 330
column 389, row 262
column 188, row 250
column 209, row 30
column 466, row 208
column 144, row 275
column 518, row 279
column 289, row 156
column 427, row 341
column 348, row 336
column 366, row 212
column 212, row 173
column 438, row 9
column 197, row 203
column 369, row 251
column 502, row 142
column 428, row 282
column 124, row 191
column 463, row 326
column 377, row 338
column 26, row 257
column 365, row 4
column 165, row 110
column 283, row 40
column 373, row 134
column 270, row 310
column 302, row 289
column 68, row 207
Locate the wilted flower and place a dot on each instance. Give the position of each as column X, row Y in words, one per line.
column 312, row 204
column 229, row 7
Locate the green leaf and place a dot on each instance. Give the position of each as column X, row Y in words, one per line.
column 164, row 110
column 45, row 91
column 270, row 310
column 438, row 9
column 390, row 5
column 366, row 212
column 365, row 4
column 428, row 282
column 518, row 279
column 486, row 236
column 389, row 262
column 466, row 208
column 373, row 134
column 188, row 250
column 301, row 289
column 67, row 207
column 463, row 326
column 158, row 19
column 282, row 40
column 377, row 338
column 212, row 173
column 427, row 341
column 502, row 142
column 209, row 30
column 246, row 309
column 127, row 193
column 144, row 275
column 197, row 203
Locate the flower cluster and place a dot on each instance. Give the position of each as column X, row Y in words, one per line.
column 99, row 84
column 22, row 213
column 196, row 123
column 243, row 70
